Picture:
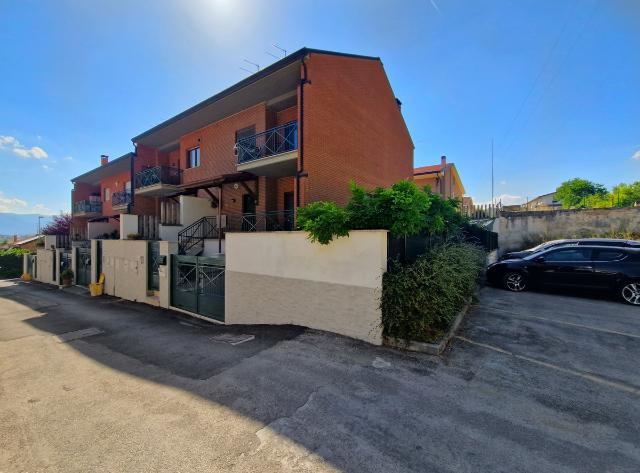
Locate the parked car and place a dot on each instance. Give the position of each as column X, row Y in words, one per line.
column 596, row 267
column 566, row 242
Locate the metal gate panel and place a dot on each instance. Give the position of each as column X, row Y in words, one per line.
column 153, row 260
column 184, row 282
column 83, row 266
column 211, row 288
column 65, row 263
column 197, row 285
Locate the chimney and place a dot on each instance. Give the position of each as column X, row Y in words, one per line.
column 104, row 160
column 443, row 161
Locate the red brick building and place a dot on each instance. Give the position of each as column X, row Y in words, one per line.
column 295, row 132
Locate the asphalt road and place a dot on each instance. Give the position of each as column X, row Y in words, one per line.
column 535, row 383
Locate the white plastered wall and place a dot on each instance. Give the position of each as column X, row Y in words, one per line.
column 283, row 278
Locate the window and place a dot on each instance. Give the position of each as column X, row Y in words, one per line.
column 609, row 255
column 107, row 194
column 193, row 157
column 569, row 254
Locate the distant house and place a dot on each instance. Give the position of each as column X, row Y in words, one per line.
column 543, row 202
column 29, row 243
column 443, row 179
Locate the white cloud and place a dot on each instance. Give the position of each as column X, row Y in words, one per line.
column 20, row 150
column 46, row 168
column 68, row 158
column 503, row 183
column 636, row 155
column 11, row 204
column 21, row 206
column 38, row 153
column 8, row 140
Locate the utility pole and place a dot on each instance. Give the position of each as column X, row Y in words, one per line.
column 39, row 218
column 492, row 171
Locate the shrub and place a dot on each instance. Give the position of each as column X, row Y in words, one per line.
column 323, row 221
column 419, row 301
column 401, row 208
column 66, row 274
column 134, row 236
column 404, row 209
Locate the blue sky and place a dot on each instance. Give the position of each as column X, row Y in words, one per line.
column 554, row 83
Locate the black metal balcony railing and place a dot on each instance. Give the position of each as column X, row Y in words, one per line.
column 272, row 221
column 87, row 206
column 281, row 139
column 120, row 198
column 158, row 175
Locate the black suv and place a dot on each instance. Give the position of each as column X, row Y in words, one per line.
column 610, row 268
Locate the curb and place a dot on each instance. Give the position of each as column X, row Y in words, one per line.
column 435, row 349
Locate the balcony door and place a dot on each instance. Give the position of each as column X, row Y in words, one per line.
column 248, row 213
column 288, row 211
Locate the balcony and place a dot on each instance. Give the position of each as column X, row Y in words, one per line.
column 158, row 181
column 271, row 221
column 273, row 153
column 87, row 208
column 120, row 200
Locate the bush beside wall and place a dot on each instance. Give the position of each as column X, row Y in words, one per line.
column 419, row 301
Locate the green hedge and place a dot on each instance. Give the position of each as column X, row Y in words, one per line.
column 420, row 300
column 10, row 266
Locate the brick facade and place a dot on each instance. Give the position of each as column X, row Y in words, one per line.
column 353, row 129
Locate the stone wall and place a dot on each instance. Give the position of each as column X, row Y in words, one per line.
column 519, row 230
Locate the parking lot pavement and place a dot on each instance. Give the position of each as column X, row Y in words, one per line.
column 591, row 336
column 150, row 390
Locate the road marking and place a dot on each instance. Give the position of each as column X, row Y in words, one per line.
column 588, row 327
column 580, row 374
column 75, row 335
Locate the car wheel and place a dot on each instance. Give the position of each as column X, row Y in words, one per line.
column 514, row 281
column 630, row 292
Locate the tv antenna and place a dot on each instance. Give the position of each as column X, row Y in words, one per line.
column 257, row 66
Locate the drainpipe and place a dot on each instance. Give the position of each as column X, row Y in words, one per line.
column 133, row 192
column 300, row 172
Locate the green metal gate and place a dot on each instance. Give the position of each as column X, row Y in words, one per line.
column 98, row 259
column 153, row 260
column 83, row 266
column 197, row 285
column 65, row 263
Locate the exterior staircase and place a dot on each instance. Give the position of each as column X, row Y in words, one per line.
column 191, row 239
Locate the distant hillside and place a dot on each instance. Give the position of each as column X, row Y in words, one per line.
column 20, row 224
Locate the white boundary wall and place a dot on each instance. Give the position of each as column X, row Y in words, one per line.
column 283, row 278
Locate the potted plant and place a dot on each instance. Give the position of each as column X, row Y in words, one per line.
column 134, row 236
column 67, row 277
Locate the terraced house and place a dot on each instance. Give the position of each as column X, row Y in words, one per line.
column 245, row 159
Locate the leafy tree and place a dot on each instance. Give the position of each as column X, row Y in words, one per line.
column 574, row 193
column 61, row 225
column 626, row 195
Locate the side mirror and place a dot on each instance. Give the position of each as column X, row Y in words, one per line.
column 539, row 259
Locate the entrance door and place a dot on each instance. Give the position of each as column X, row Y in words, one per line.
column 83, row 266
column 248, row 213
column 197, row 285
column 288, row 211
column 153, row 259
